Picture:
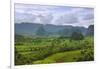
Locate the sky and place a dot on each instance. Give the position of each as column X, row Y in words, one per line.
column 57, row 15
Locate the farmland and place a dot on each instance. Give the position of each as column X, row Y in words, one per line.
column 52, row 50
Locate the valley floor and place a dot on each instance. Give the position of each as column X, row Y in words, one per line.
column 53, row 50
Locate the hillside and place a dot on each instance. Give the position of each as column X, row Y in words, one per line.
column 34, row 29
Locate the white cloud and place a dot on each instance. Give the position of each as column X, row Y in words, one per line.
column 58, row 15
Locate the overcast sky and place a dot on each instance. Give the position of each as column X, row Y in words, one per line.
column 58, row 15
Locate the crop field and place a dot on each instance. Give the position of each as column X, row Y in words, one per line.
column 52, row 50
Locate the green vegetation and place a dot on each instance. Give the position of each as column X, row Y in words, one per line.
column 52, row 50
column 77, row 36
column 70, row 56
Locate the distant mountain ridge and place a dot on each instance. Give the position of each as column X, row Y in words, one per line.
column 34, row 29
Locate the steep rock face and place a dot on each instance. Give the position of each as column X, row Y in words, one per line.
column 90, row 30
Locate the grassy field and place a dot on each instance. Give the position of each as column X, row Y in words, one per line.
column 70, row 56
column 52, row 50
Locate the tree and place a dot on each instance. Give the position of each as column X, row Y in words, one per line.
column 77, row 36
column 87, row 55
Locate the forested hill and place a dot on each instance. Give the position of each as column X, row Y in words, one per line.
column 34, row 29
